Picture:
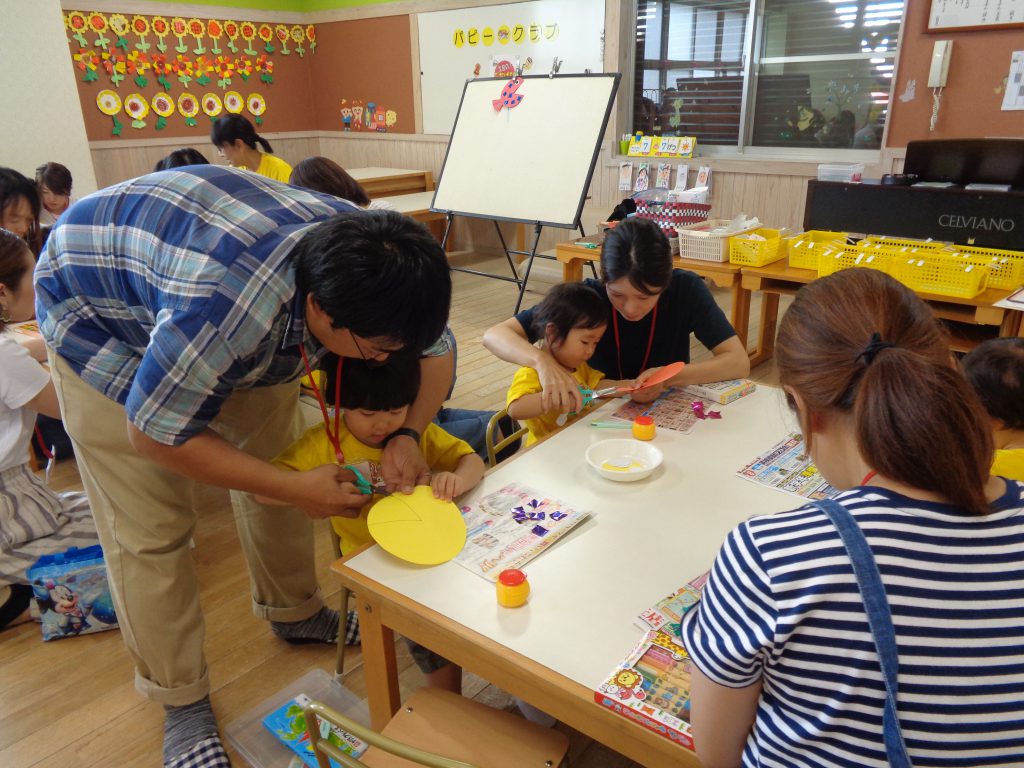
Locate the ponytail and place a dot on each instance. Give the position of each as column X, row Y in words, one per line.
column 231, row 128
column 265, row 144
column 859, row 343
column 920, row 423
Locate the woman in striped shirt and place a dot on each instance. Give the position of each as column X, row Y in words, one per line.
column 786, row 669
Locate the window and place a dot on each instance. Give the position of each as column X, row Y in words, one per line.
column 808, row 73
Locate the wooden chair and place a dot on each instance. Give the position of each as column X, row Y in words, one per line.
column 439, row 729
column 492, row 429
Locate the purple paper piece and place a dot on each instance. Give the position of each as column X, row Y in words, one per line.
column 556, row 516
column 534, row 503
column 539, row 530
column 518, row 510
column 519, row 517
column 536, row 516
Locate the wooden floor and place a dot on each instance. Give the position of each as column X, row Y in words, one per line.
column 73, row 702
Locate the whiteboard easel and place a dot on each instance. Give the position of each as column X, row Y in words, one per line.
column 531, row 164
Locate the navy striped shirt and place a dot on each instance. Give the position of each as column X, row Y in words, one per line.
column 782, row 606
column 168, row 292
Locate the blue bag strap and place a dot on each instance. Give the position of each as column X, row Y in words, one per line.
column 872, row 592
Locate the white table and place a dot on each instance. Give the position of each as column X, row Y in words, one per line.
column 644, row 540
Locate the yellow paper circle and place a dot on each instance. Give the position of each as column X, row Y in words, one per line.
column 212, row 105
column 518, row 34
column 109, row 102
column 255, row 104
column 458, row 38
column 136, row 106
column 418, row 528
column 472, row 36
column 487, row 36
column 188, row 105
column 504, row 34
column 163, row 104
column 233, row 102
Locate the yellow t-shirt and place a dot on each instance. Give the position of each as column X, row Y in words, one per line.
column 527, row 382
column 1009, row 463
column 274, row 167
column 441, row 451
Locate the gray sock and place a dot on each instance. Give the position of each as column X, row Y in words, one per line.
column 321, row 627
column 185, row 727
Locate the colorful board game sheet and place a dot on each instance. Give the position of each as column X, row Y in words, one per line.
column 786, row 467
column 672, row 410
column 510, row 527
column 667, row 614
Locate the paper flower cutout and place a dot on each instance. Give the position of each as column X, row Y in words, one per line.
column 298, row 37
column 163, row 104
column 119, row 26
column 265, row 32
column 311, row 37
column 256, row 106
column 77, row 23
column 282, row 33
column 109, row 102
column 244, row 67
column 188, row 106
column 98, row 24
column 136, row 107
column 233, row 102
column 203, row 69
column 212, row 105
column 232, row 31
column 87, row 61
column 216, row 32
column 161, row 28
column 140, row 26
column 179, row 28
column 248, row 31
column 197, row 29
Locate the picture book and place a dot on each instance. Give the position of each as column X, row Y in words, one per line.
column 722, row 392
column 664, row 177
column 643, row 177
column 667, row 613
column 651, row 687
column 672, row 410
column 787, row 467
column 510, row 527
column 625, row 177
column 288, row 723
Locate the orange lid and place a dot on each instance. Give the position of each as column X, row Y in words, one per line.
column 512, row 577
column 644, row 421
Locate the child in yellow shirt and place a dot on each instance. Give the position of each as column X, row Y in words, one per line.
column 995, row 369
column 375, row 399
column 571, row 319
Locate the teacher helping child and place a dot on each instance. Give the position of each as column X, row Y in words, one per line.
column 652, row 311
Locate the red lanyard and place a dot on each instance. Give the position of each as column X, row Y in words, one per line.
column 335, row 437
column 867, row 477
column 650, row 340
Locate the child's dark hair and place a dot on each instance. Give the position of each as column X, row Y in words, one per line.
column 568, row 306
column 638, row 250
column 995, row 368
column 55, row 177
column 13, row 187
column 324, row 175
column 231, row 128
column 179, row 158
column 374, row 386
column 13, row 264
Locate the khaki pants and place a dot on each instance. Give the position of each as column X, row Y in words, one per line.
column 145, row 518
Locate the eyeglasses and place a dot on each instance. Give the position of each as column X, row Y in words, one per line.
column 376, row 355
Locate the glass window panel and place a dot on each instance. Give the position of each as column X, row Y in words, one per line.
column 824, row 27
column 680, row 32
column 833, row 104
column 648, row 29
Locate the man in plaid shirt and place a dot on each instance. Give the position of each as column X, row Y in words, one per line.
column 178, row 308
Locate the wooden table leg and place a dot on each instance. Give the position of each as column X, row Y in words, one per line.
column 381, row 670
column 1011, row 324
column 740, row 314
column 572, row 271
column 766, row 336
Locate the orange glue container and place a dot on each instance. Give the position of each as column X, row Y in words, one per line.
column 643, row 428
column 513, row 588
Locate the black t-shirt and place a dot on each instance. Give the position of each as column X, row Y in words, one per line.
column 685, row 307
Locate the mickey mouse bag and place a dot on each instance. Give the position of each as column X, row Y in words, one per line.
column 72, row 593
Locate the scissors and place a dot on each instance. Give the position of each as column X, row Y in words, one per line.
column 363, row 485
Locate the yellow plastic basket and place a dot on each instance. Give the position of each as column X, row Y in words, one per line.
column 1005, row 268
column 939, row 274
column 805, row 248
column 834, row 258
column 756, row 253
column 905, row 244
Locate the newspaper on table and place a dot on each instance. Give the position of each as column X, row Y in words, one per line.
column 787, row 467
column 510, row 527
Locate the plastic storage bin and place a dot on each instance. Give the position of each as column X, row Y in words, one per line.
column 941, row 275
column 840, row 171
column 756, row 253
column 803, row 249
column 1005, row 268
column 696, row 241
column 904, row 244
column 833, row 259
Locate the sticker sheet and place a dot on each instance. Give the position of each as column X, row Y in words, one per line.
column 673, row 410
column 787, row 467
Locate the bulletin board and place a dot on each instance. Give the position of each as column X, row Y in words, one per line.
column 486, row 42
column 975, row 14
column 521, row 163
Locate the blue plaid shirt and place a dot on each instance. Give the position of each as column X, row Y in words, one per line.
column 168, row 292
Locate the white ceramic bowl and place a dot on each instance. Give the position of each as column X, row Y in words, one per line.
column 623, row 460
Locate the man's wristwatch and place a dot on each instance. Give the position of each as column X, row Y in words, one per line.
column 407, row 431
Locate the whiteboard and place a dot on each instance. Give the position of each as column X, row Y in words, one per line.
column 973, row 14
column 532, row 163
column 454, row 43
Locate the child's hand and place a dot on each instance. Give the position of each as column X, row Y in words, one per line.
column 648, row 394
column 447, row 485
